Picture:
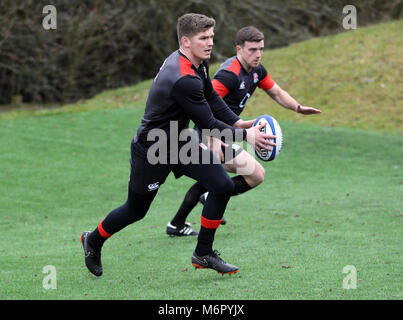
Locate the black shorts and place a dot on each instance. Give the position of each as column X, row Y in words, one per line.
column 230, row 152
column 146, row 177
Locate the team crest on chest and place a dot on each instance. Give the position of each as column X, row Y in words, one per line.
column 255, row 77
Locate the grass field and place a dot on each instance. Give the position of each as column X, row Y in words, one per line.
column 333, row 198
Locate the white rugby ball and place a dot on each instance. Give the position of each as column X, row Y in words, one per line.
column 271, row 127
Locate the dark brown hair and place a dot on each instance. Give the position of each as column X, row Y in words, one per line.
column 191, row 24
column 250, row 34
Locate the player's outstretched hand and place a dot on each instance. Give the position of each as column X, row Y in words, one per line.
column 307, row 110
column 258, row 139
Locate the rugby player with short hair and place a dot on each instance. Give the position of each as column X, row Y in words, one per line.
column 235, row 81
column 181, row 91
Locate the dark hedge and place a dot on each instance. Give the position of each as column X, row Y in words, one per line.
column 108, row 44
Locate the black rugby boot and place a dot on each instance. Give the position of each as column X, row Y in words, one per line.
column 213, row 261
column 92, row 257
column 186, row 230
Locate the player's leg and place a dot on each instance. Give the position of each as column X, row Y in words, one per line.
column 250, row 172
column 220, row 187
column 132, row 210
column 178, row 225
column 237, row 161
column 143, row 187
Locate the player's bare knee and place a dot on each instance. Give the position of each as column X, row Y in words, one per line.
column 257, row 177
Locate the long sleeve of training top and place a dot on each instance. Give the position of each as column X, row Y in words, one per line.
column 189, row 94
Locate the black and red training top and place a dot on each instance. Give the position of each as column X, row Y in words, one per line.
column 181, row 92
column 235, row 85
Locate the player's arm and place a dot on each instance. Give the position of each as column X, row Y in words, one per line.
column 188, row 93
column 222, row 112
column 284, row 99
column 281, row 96
column 220, row 109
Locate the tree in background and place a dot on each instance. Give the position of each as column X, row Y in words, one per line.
column 99, row 45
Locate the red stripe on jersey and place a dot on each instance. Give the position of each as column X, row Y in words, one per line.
column 210, row 224
column 235, row 67
column 220, row 88
column 102, row 231
column 267, row 83
column 185, row 67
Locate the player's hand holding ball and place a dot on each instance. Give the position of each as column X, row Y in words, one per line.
column 244, row 124
column 259, row 139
